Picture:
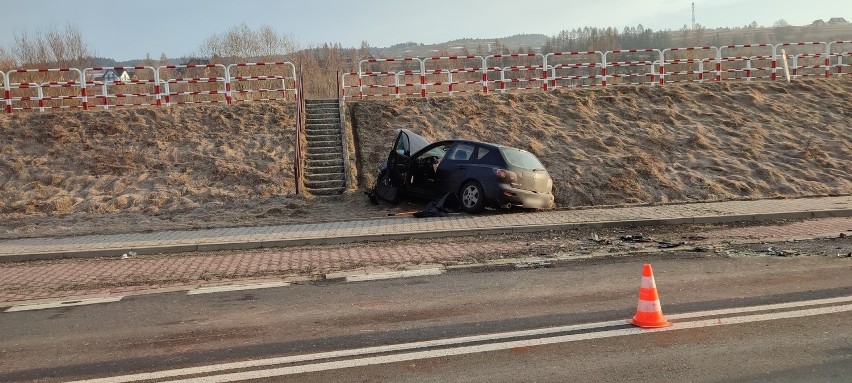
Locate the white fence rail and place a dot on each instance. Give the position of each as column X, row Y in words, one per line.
column 110, row 87
column 413, row 76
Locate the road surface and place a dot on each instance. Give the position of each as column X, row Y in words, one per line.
column 736, row 318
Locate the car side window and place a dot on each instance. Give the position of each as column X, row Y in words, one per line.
column 402, row 145
column 461, row 152
column 481, row 152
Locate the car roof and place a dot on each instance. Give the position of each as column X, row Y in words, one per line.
column 472, row 142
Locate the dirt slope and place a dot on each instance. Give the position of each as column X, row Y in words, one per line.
column 144, row 160
column 130, row 170
column 620, row 145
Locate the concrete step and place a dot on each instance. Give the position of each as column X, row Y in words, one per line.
column 322, row 132
column 323, row 126
column 322, row 163
column 322, row 146
column 322, row 107
column 322, row 101
column 324, row 141
column 324, row 177
column 323, row 156
column 338, row 169
column 324, row 184
column 311, row 120
column 326, row 191
column 322, row 112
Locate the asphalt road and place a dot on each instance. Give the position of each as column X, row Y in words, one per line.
column 159, row 332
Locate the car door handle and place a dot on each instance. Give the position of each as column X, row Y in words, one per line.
column 462, row 167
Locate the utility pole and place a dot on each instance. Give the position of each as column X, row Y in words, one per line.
column 693, row 15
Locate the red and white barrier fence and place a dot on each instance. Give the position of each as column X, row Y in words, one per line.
column 379, row 77
column 148, row 92
column 691, row 64
column 639, row 67
column 836, row 51
column 149, row 86
column 517, row 71
column 7, row 93
column 193, row 84
column 571, row 69
column 746, row 62
column 468, row 75
column 807, row 58
column 64, row 78
column 268, row 86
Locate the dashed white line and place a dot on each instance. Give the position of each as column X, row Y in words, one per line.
column 62, row 303
column 236, row 287
column 394, row 274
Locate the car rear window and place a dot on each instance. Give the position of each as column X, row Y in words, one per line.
column 521, row 159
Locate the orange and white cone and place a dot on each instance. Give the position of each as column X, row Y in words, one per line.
column 649, row 314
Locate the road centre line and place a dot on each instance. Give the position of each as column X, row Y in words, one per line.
column 236, row 287
column 470, row 339
column 63, row 303
column 463, row 350
column 393, row 274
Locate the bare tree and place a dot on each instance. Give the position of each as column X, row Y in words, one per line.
column 7, row 61
column 240, row 42
column 65, row 48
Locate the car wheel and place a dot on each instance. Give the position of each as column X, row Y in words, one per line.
column 472, row 197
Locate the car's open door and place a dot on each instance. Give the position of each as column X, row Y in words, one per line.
column 395, row 177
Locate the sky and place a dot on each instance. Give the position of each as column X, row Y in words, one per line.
column 129, row 30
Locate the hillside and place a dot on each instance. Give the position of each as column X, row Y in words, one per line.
column 621, row 145
column 148, row 163
column 130, row 170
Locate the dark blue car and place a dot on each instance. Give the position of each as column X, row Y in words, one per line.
column 480, row 174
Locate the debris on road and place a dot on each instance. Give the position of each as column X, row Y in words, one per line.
column 636, row 238
column 669, row 245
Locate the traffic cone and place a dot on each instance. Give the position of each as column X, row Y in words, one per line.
column 649, row 314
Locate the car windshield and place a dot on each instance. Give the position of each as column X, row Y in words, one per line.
column 521, row 159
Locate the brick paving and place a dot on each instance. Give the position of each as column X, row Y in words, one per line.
column 272, row 236
column 72, row 277
column 50, row 279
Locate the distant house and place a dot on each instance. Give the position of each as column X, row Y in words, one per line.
column 110, row 75
column 818, row 23
column 837, row 21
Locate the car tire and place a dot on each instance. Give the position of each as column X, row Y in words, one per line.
column 472, row 197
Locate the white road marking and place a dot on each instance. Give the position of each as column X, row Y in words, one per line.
column 236, row 287
column 62, row 303
column 463, row 350
column 454, row 341
column 393, row 274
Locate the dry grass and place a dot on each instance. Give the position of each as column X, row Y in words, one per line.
column 619, row 145
column 128, row 170
column 144, row 160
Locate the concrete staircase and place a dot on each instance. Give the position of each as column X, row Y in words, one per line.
column 324, row 165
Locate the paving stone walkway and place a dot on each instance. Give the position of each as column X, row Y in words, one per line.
column 409, row 227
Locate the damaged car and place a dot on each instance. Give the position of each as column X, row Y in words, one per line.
column 479, row 174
